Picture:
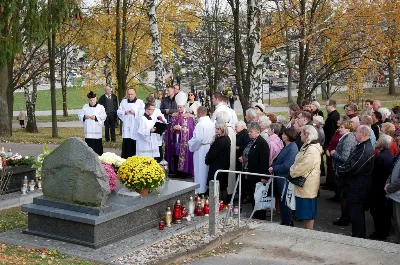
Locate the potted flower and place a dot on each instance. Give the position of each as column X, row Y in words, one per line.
column 141, row 173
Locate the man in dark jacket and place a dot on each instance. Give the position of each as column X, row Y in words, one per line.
column 357, row 175
column 330, row 125
column 168, row 105
column 110, row 103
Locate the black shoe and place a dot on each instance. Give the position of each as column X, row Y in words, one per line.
column 335, row 199
column 376, row 236
column 342, row 222
column 287, row 224
column 326, row 187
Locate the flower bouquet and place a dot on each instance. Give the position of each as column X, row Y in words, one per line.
column 111, row 163
column 141, row 173
column 112, row 159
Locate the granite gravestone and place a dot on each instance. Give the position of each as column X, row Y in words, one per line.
column 73, row 173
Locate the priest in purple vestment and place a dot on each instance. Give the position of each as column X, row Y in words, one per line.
column 179, row 132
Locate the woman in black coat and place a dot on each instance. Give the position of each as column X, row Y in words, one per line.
column 380, row 206
column 255, row 157
column 218, row 157
column 242, row 138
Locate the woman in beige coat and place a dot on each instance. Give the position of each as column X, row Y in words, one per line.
column 307, row 165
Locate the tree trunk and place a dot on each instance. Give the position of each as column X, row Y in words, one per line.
column 290, row 72
column 303, row 54
column 243, row 91
column 125, row 44
column 5, row 129
column 155, row 45
column 30, row 102
column 51, row 41
column 10, row 92
column 121, row 91
column 392, row 59
column 255, row 59
column 64, row 81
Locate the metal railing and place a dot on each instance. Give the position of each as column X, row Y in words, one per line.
column 239, row 182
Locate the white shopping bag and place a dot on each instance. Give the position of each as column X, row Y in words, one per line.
column 290, row 200
column 261, row 199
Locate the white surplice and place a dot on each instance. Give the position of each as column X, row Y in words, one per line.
column 147, row 143
column 232, row 114
column 93, row 129
column 200, row 144
column 130, row 121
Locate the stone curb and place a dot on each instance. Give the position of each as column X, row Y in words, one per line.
column 182, row 231
column 219, row 241
column 330, row 237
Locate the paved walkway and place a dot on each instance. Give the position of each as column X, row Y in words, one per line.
column 271, row 244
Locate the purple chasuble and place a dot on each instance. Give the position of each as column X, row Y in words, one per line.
column 185, row 164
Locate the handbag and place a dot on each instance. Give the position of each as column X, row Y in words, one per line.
column 299, row 181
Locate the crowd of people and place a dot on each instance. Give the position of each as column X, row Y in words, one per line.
column 357, row 152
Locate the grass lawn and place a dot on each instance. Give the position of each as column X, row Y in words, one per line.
column 44, row 136
column 12, row 218
column 16, row 255
column 341, row 97
column 60, row 118
column 76, row 98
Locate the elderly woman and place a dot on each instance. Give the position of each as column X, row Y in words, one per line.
column 224, row 117
column 293, row 109
column 274, row 142
column 315, row 109
column 280, row 167
column 297, row 128
column 264, row 122
column 255, row 156
column 330, row 178
column 388, row 129
column 307, row 165
column 392, row 189
column 346, row 145
column 272, row 117
column 352, row 112
column 242, row 138
column 251, row 115
column 218, row 157
column 395, row 120
column 318, row 121
column 192, row 105
column 379, row 206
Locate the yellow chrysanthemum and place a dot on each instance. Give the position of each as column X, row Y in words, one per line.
column 139, row 172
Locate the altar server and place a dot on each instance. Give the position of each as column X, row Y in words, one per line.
column 130, row 110
column 93, row 116
column 199, row 144
column 147, row 143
